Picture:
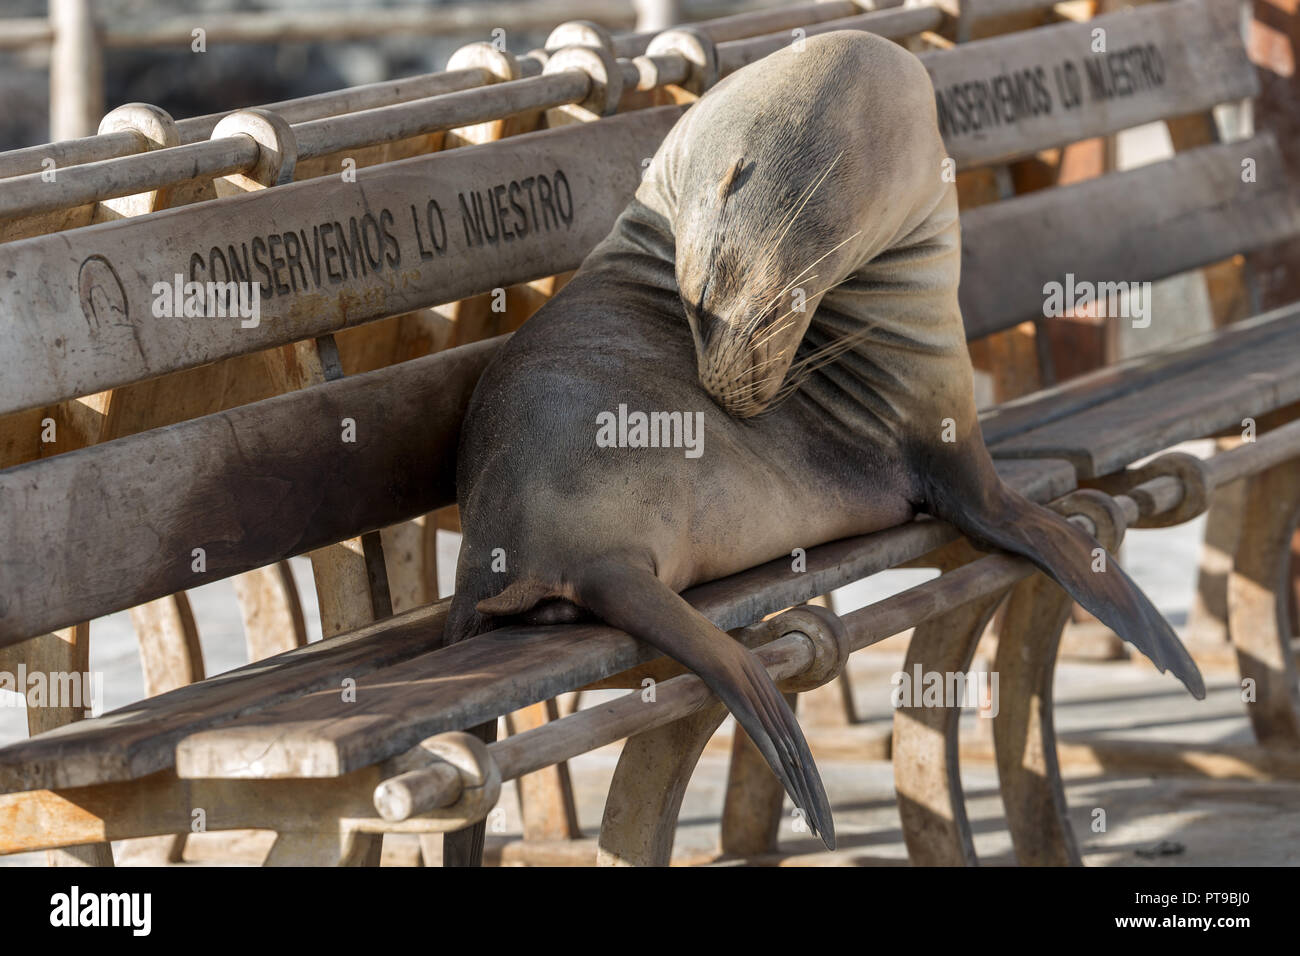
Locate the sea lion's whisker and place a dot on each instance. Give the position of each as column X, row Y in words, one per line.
column 810, row 265
column 799, row 277
column 804, row 200
column 815, row 186
column 773, row 331
column 734, row 340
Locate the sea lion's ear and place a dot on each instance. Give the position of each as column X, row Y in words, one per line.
column 729, row 178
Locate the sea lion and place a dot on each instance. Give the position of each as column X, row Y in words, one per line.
column 787, row 272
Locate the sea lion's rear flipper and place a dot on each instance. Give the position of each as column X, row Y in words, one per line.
column 639, row 603
column 991, row 512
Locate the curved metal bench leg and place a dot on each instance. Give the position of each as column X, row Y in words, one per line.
column 1258, row 613
column 1023, row 734
column 751, row 815
column 926, row 779
column 646, row 794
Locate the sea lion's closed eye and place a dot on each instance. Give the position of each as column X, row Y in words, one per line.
column 730, row 178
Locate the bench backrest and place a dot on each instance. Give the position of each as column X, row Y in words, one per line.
column 85, row 310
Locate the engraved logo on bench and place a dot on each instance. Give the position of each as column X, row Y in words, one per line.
column 308, row 257
column 103, row 300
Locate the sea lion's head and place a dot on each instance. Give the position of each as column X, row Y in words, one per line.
column 782, row 182
column 762, row 241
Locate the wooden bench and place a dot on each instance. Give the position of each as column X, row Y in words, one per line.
column 280, row 734
column 1198, row 208
column 95, row 184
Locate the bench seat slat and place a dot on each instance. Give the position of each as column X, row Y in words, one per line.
column 1201, row 400
column 1043, row 408
column 142, row 738
column 139, row 739
column 460, row 686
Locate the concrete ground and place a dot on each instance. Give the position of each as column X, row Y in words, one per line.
column 1151, row 819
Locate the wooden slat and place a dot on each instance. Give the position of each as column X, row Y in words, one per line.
column 1126, row 378
column 232, row 485
column 1194, row 209
column 139, row 739
column 116, row 525
column 66, row 351
column 142, row 738
column 1210, row 398
column 1199, row 61
column 315, row 735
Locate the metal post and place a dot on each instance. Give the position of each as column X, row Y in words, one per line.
column 657, row 14
column 76, row 70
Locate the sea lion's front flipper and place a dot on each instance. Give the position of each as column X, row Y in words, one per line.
column 639, row 603
column 974, row 499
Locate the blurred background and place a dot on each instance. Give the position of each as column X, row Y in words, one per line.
column 146, row 51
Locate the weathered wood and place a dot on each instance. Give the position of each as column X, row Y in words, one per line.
column 646, row 793
column 1196, row 210
column 170, row 657
column 979, row 18
column 232, row 485
column 170, row 654
column 143, row 738
column 1129, row 377
column 1215, row 396
column 675, row 699
column 169, row 644
column 601, row 164
column 140, row 739
column 1029, row 776
column 270, row 609
column 161, row 804
column 46, row 818
column 1207, row 621
column 1259, row 619
column 76, row 69
column 925, row 748
column 412, row 566
column 316, row 734
column 351, row 577
column 66, row 652
column 1013, row 103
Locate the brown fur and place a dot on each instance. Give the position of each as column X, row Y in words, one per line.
column 819, row 168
